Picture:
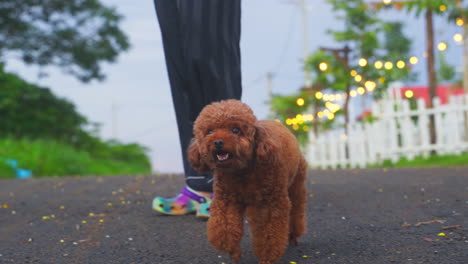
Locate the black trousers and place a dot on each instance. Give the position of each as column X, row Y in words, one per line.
column 201, row 40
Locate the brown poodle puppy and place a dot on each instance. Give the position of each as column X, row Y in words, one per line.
column 259, row 171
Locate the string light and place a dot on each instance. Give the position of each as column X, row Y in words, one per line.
column 400, row 64
column 300, row 101
column 358, row 78
column 353, row 73
column 459, row 22
column 387, row 2
column 388, row 65
column 443, row 8
column 442, row 46
column 370, row 85
column 458, row 38
column 353, row 93
column 378, row 65
column 318, row 95
column 362, row 62
column 361, row 90
column 409, row 94
column 323, row 66
column 413, row 60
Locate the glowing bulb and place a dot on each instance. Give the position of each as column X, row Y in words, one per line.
column 409, row 94
column 323, row 66
column 361, row 90
column 459, row 22
column 353, row 93
column 362, row 62
column 413, row 60
column 358, row 78
column 353, row 73
column 318, row 95
column 370, row 85
column 458, row 38
column 443, row 8
column 320, row 114
column 442, row 46
column 330, row 116
column 387, row 2
column 378, row 65
column 400, row 64
column 388, row 65
column 300, row 101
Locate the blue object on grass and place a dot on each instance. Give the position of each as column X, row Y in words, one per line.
column 13, row 163
column 23, row 174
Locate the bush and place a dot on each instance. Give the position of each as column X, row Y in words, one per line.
column 51, row 158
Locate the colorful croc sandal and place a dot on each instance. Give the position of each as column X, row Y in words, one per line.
column 203, row 209
column 188, row 201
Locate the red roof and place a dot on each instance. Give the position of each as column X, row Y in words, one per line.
column 442, row 91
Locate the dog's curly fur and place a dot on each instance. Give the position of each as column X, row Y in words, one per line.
column 263, row 178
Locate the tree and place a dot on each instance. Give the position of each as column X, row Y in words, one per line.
column 76, row 36
column 374, row 55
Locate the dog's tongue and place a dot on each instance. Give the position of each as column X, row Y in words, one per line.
column 222, row 157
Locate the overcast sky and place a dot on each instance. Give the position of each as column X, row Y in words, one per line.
column 137, row 86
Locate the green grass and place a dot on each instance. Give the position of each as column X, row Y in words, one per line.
column 48, row 158
column 431, row 161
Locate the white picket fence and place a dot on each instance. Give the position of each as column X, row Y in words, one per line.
column 398, row 132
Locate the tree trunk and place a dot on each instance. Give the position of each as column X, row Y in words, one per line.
column 431, row 73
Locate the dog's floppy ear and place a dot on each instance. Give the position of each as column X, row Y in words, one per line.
column 265, row 146
column 195, row 158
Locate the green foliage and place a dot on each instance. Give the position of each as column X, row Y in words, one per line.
column 420, row 6
column 76, row 36
column 48, row 135
column 31, row 111
column 431, row 161
column 372, row 39
column 52, row 158
column 446, row 72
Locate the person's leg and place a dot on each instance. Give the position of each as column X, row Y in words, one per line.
column 201, row 45
column 211, row 38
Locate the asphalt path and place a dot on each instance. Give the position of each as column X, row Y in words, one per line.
column 354, row 216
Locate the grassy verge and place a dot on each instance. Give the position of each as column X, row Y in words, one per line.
column 431, row 161
column 47, row 158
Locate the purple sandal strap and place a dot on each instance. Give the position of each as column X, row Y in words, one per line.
column 199, row 198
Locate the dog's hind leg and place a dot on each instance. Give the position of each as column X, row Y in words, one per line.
column 298, row 197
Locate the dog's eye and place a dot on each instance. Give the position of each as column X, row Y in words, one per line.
column 236, row 130
column 210, row 131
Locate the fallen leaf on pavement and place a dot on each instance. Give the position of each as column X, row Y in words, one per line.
column 451, row 227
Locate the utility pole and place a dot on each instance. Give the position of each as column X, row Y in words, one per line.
column 114, row 109
column 269, row 79
column 305, row 34
column 343, row 56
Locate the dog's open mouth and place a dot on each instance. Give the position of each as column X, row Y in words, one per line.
column 222, row 156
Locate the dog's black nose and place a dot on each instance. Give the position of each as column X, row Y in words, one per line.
column 219, row 143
